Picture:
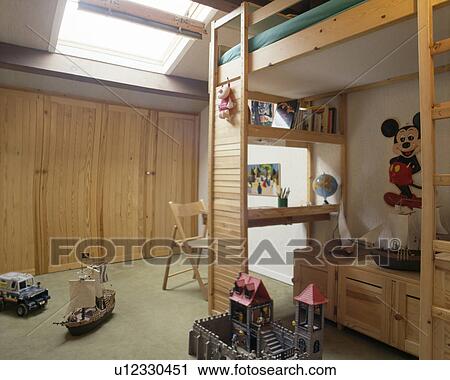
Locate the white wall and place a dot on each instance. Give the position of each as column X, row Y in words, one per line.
column 293, row 174
column 369, row 151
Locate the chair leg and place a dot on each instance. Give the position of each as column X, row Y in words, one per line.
column 166, row 272
column 198, row 252
column 169, row 260
column 197, row 276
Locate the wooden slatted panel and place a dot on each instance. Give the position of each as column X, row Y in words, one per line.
column 20, row 164
column 126, row 176
column 69, row 187
column 176, row 171
column 227, row 183
column 226, row 194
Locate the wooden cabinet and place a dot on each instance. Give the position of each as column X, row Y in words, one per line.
column 363, row 302
column 324, row 277
column 74, row 169
column 382, row 304
column 405, row 315
column 441, row 307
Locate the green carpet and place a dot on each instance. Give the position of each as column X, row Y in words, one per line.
column 148, row 323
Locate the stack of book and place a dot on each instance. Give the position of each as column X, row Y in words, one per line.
column 320, row 119
column 288, row 115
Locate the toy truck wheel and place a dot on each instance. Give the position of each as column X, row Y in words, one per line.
column 22, row 310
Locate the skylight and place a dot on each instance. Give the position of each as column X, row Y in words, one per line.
column 108, row 39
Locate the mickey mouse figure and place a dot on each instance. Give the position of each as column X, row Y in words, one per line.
column 405, row 164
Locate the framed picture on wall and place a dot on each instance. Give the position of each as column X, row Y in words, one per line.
column 264, row 179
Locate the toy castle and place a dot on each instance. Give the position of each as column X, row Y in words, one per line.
column 248, row 330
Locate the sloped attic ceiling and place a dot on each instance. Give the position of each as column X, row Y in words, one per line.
column 30, row 23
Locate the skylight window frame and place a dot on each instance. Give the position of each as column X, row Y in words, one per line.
column 164, row 65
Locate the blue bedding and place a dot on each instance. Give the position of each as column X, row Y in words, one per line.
column 291, row 26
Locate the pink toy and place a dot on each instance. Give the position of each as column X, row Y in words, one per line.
column 226, row 103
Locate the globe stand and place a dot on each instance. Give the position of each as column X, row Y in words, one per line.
column 325, row 202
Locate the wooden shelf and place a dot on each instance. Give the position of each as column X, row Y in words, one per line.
column 270, row 216
column 268, row 135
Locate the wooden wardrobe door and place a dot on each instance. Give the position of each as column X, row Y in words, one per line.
column 176, row 171
column 70, row 171
column 127, row 175
column 20, row 162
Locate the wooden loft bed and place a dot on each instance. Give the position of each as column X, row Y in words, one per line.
column 228, row 141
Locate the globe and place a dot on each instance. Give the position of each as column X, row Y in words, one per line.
column 325, row 185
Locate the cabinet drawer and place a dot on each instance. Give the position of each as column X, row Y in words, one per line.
column 363, row 304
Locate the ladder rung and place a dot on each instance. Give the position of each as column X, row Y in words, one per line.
column 441, row 313
column 442, row 179
column 441, row 111
column 441, row 246
column 441, row 46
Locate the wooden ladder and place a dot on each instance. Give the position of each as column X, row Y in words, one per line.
column 430, row 111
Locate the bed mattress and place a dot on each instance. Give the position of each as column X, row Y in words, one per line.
column 294, row 25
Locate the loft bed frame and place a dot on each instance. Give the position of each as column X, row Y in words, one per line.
column 229, row 217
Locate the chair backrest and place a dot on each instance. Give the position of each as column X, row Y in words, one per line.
column 186, row 210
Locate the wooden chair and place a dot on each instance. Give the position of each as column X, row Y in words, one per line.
column 190, row 245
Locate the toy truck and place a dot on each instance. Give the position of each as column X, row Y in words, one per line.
column 21, row 290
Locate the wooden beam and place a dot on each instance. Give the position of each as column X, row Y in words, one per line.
column 270, row 9
column 262, row 97
column 139, row 12
column 442, row 180
column 84, row 70
column 441, row 111
column 441, row 46
column 438, row 3
column 259, row 134
column 427, row 96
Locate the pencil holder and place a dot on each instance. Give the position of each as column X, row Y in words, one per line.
column 282, row 202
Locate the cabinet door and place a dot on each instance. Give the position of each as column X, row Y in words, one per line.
column 176, row 172
column 405, row 314
column 363, row 303
column 69, row 183
column 126, row 180
column 441, row 320
column 20, row 170
column 323, row 277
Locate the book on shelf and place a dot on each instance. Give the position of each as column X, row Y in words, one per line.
column 285, row 114
column 261, row 113
column 320, row 119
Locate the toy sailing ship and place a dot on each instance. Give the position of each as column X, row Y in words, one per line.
column 396, row 243
column 90, row 303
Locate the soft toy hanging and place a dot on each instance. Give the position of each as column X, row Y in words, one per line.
column 405, row 164
column 225, row 95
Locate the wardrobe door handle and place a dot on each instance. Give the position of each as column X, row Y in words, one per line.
column 398, row 317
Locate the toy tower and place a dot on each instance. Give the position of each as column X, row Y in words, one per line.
column 309, row 321
column 251, row 308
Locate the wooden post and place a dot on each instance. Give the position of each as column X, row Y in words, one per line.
column 427, row 93
column 343, row 130
column 213, row 59
column 244, row 115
